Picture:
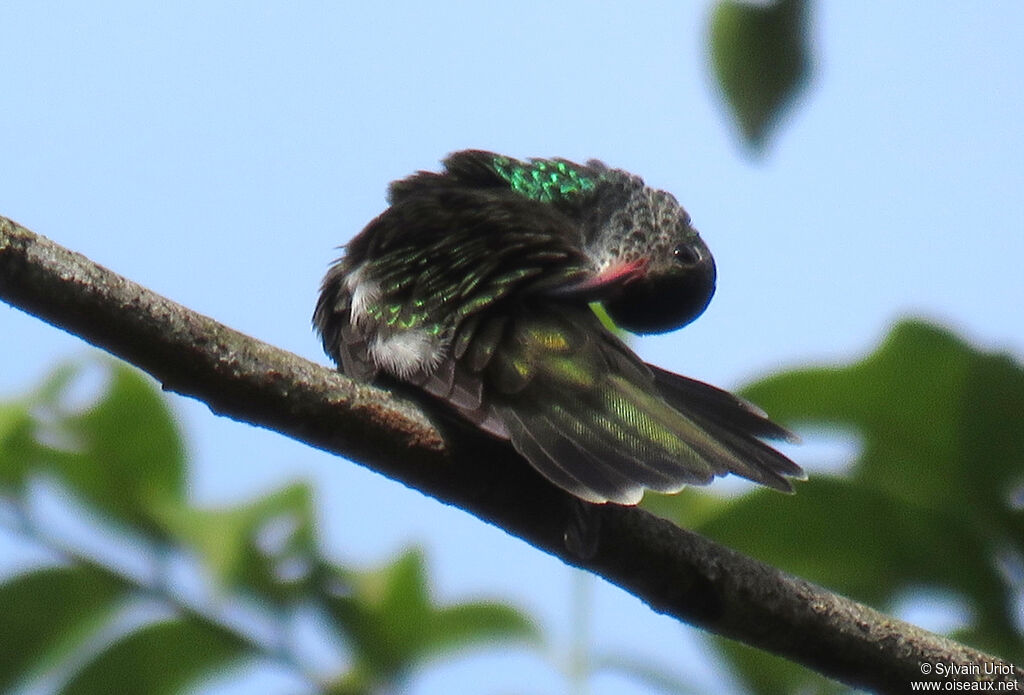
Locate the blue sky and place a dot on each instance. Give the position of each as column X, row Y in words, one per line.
column 219, row 152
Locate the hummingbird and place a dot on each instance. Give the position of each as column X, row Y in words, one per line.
column 478, row 284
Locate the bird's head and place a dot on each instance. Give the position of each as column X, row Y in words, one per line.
column 647, row 229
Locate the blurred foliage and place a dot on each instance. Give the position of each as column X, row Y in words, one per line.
column 80, row 623
column 934, row 500
column 760, row 60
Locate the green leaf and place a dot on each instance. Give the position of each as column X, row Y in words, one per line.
column 858, row 540
column 45, row 614
column 267, row 547
column 607, row 321
column 122, row 454
column 162, row 658
column 931, row 502
column 690, row 507
column 942, row 423
column 385, row 615
column 391, row 625
column 17, row 445
column 760, row 59
column 477, row 623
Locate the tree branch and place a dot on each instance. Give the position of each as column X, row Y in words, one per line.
column 673, row 570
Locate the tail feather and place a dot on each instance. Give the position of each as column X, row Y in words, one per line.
column 597, row 421
column 718, row 405
column 736, row 423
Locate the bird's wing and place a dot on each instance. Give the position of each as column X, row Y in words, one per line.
column 588, row 414
column 433, row 261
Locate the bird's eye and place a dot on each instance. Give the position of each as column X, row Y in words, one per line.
column 685, row 254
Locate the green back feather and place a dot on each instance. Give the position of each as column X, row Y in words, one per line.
column 544, row 180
